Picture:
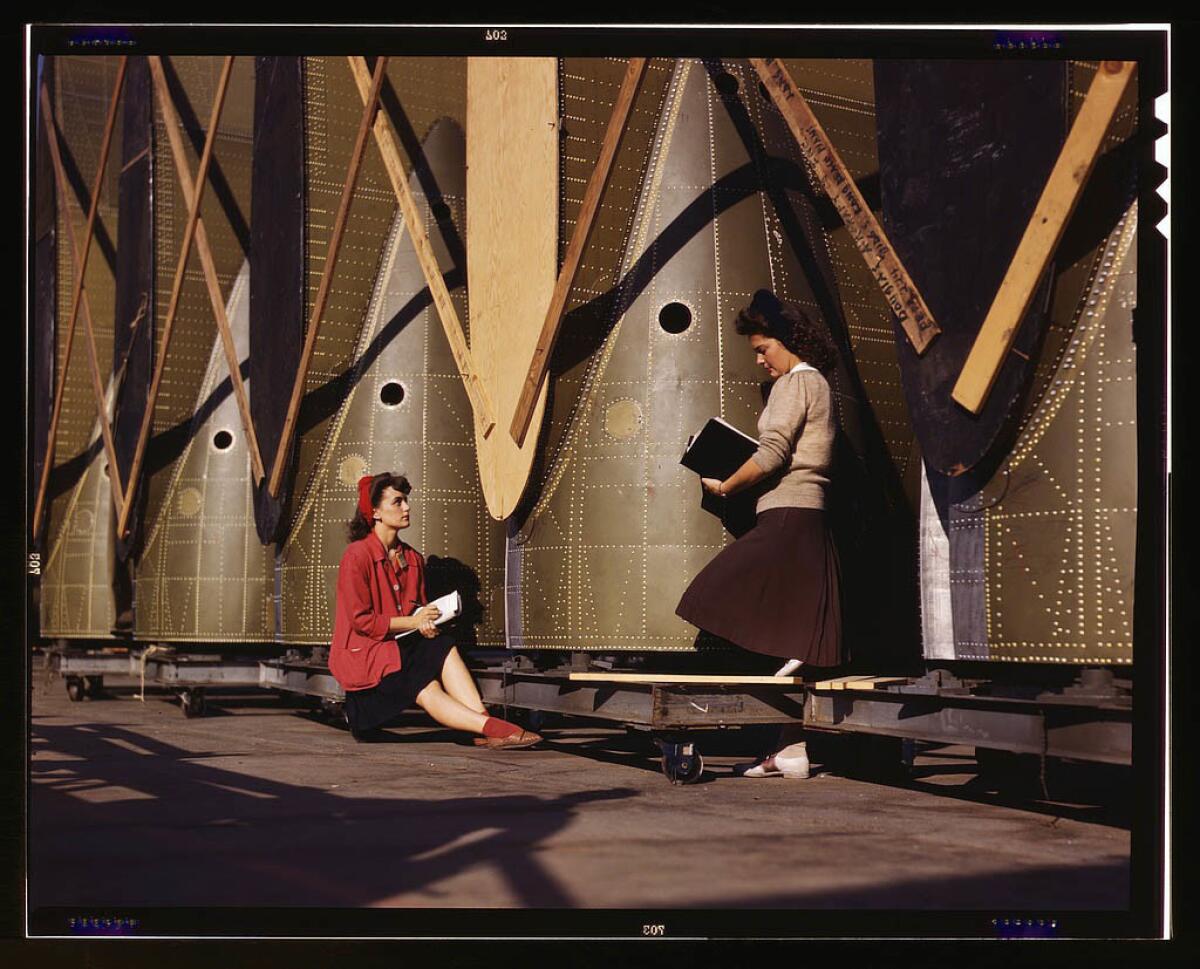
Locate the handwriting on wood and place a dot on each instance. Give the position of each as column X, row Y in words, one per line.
column 869, row 238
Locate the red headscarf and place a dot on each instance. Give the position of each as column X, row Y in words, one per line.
column 364, row 496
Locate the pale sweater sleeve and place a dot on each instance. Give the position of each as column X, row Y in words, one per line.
column 781, row 422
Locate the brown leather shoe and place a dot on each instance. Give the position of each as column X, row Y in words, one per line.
column 526, row 738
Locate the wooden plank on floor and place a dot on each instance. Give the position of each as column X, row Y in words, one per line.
column 731, row 679
column 839, row 682
column 874, row 682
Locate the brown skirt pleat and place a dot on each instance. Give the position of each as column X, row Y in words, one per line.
column 774, row 591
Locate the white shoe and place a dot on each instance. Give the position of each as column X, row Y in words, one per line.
column 789, row 667
column 792, row 761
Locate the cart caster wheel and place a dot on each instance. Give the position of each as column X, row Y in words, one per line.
column 681, row 762
column 192, row 703
column 75, row 689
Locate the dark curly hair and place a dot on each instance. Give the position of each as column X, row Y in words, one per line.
column 359, row 526
column 790, row 325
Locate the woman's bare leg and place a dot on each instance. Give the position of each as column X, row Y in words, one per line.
column 457, row 681
column 448, row 711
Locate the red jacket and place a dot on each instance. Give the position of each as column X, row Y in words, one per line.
column 369, row 593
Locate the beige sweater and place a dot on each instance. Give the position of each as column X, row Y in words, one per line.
column 795, row 435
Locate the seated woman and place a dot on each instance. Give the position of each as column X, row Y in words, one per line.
column 381, row 592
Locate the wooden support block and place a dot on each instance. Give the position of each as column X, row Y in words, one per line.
column 731, row 679
column 898, row 288
column 481, row 402
column 1042, row 235
column 78, row 296
column 540, row 362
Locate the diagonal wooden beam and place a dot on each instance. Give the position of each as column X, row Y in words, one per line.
column 331, row 257
column 1042, row 235
column 189, row 232
column 114, row 472
column 872, row 243
column 118, row 377
column 209, row 266
column 481, row 402
column 80, row 255
column 586, row 221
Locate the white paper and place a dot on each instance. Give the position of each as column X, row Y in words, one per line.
column 450, row 605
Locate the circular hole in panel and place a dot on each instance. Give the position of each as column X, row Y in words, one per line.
column 440, row 211
column 222, row 440
column 726, row 84
column 391, row 393
column 675, row 317
column 104, row 469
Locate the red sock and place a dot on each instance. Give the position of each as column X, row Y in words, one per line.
column 495, row 727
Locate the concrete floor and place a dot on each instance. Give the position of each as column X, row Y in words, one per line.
column 262, row 804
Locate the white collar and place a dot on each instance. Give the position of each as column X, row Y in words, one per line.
column 802, row 366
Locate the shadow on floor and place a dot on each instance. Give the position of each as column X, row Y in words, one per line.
column 101, row 831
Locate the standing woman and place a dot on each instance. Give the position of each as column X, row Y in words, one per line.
column 381, row 592
column 775, row 589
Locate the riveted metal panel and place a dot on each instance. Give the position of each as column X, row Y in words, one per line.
column 404, row 410
column 1060, row 518
column 1040, row 543
column 417, row 91
column 615, row 531
column 225, row 209
column 204, row 576
column 76, row 596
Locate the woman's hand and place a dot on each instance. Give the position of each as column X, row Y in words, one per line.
column 421, row 620
column 426, row 614
column 712, row 486
column 424, row 618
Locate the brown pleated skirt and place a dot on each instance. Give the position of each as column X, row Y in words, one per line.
column 774, row 591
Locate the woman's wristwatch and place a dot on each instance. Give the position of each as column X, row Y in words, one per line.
column 721, row 488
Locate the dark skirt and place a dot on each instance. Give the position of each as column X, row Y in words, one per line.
column 774, row 591
column 421, row 662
